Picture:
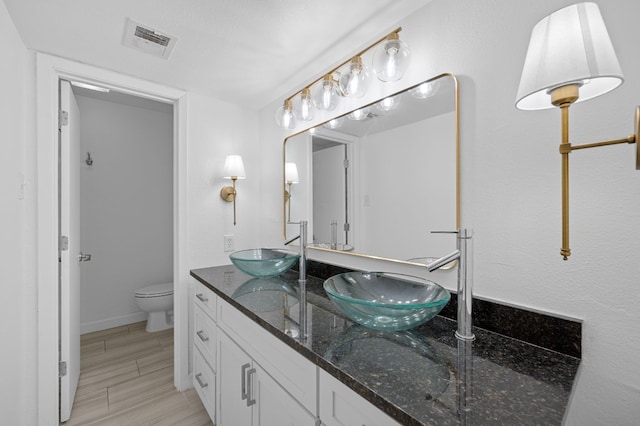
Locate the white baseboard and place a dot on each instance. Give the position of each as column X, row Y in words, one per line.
column 90, row 327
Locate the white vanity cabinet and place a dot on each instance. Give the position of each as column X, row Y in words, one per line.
column 341, row 406
column 204, row 351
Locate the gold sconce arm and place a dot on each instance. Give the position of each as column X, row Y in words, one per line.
column 228, row 194
column 563, row 97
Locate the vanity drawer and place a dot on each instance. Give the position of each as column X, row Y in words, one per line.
column 204, row 382
column 206, row 299
column 204, row 335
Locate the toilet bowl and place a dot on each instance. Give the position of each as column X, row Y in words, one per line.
column 157, row 300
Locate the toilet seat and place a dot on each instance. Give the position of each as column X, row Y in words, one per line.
column 155, row 290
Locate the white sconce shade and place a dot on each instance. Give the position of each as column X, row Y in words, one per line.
column 325, row 95
column 355, row 81
column 233, row 167
column 291, row 173
column 285, row 117
column 391, row 59
column 570, row 46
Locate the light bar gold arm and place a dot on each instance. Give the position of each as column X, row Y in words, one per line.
column 563, row 97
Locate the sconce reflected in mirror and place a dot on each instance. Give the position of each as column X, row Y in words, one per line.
column 234, row 170
column 290, row 178
column 570, row 59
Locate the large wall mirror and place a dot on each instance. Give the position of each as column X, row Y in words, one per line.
column 375, row 182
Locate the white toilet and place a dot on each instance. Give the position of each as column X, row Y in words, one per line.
column 156, row 299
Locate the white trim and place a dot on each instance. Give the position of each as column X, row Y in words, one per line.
column 49, row 69
column 90, row 327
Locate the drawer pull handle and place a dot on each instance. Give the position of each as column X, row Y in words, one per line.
column 200, row 382
column 250, row 400
column 202, row 336
column 244, row 381
column 202, row 298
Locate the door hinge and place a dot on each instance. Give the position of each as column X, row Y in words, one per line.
column 347, row 227
column 346, row 163
column 63, row 243
column 63, row 118
column 62, row 369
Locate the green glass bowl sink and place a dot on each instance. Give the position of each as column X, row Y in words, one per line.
column 263, row 262
column 386, row 301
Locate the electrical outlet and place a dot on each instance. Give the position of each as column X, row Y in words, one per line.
column 228, row 243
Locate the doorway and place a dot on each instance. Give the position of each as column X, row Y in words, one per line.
column 49, row 70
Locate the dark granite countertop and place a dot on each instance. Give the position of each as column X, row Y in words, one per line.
column 424, row 376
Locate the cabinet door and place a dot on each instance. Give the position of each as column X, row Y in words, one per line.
column 274, row 406
column 233, row 368
column 341, row 406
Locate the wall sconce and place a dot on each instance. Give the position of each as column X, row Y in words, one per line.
column 390, row 61
column 570, row 59
column 290, row 178
column 234, row 170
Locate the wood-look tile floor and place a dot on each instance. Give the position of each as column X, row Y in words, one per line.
column 126, row 379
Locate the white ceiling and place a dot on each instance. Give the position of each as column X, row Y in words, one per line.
column 248, row 52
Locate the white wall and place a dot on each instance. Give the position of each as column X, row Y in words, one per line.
column 126, row 208
column 17, row 216
column 511, row 186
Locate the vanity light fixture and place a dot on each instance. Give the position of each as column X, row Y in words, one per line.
column 335, row 123
column 391, row 59
column 290, row 178
column 234, row 170
column 570, row 59
column 349, row 79
column 388, row 104
column 325, row 96
column 285, row 117
column 425, row 90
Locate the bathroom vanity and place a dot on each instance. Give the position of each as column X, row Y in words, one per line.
column 251, row 367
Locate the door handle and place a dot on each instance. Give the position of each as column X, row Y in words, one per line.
column 200, row 382
column 84, row 257
column 202, row 336
column 244, row 380
column 250, row 400
column 201, row 297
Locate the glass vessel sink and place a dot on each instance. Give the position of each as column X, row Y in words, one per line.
column 386, row 301
column 263, row 262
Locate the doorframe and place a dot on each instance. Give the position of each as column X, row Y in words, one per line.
column 49, row 69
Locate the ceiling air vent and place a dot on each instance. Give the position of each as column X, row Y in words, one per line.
column 148, row 40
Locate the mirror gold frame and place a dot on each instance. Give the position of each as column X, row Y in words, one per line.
column 285, row 189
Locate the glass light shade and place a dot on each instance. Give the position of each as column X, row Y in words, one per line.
column 570, row 46
column 425, row 90
column 335, row 123
column 391, row 59
column 325, row 95
column 355, row 81
column 359, row 114
column 388, row 104
column 233, row 167
column 285, row 117
column 306, row 105
column 291, row 173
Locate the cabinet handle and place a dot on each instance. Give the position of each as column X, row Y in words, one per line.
column 250, row 400
column 244, row 381
column 200, row 382
column 202, row 336
column 202, row 298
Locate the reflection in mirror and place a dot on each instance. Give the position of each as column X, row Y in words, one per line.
column 376, row 181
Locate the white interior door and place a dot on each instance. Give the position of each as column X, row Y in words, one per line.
column 70, row 256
